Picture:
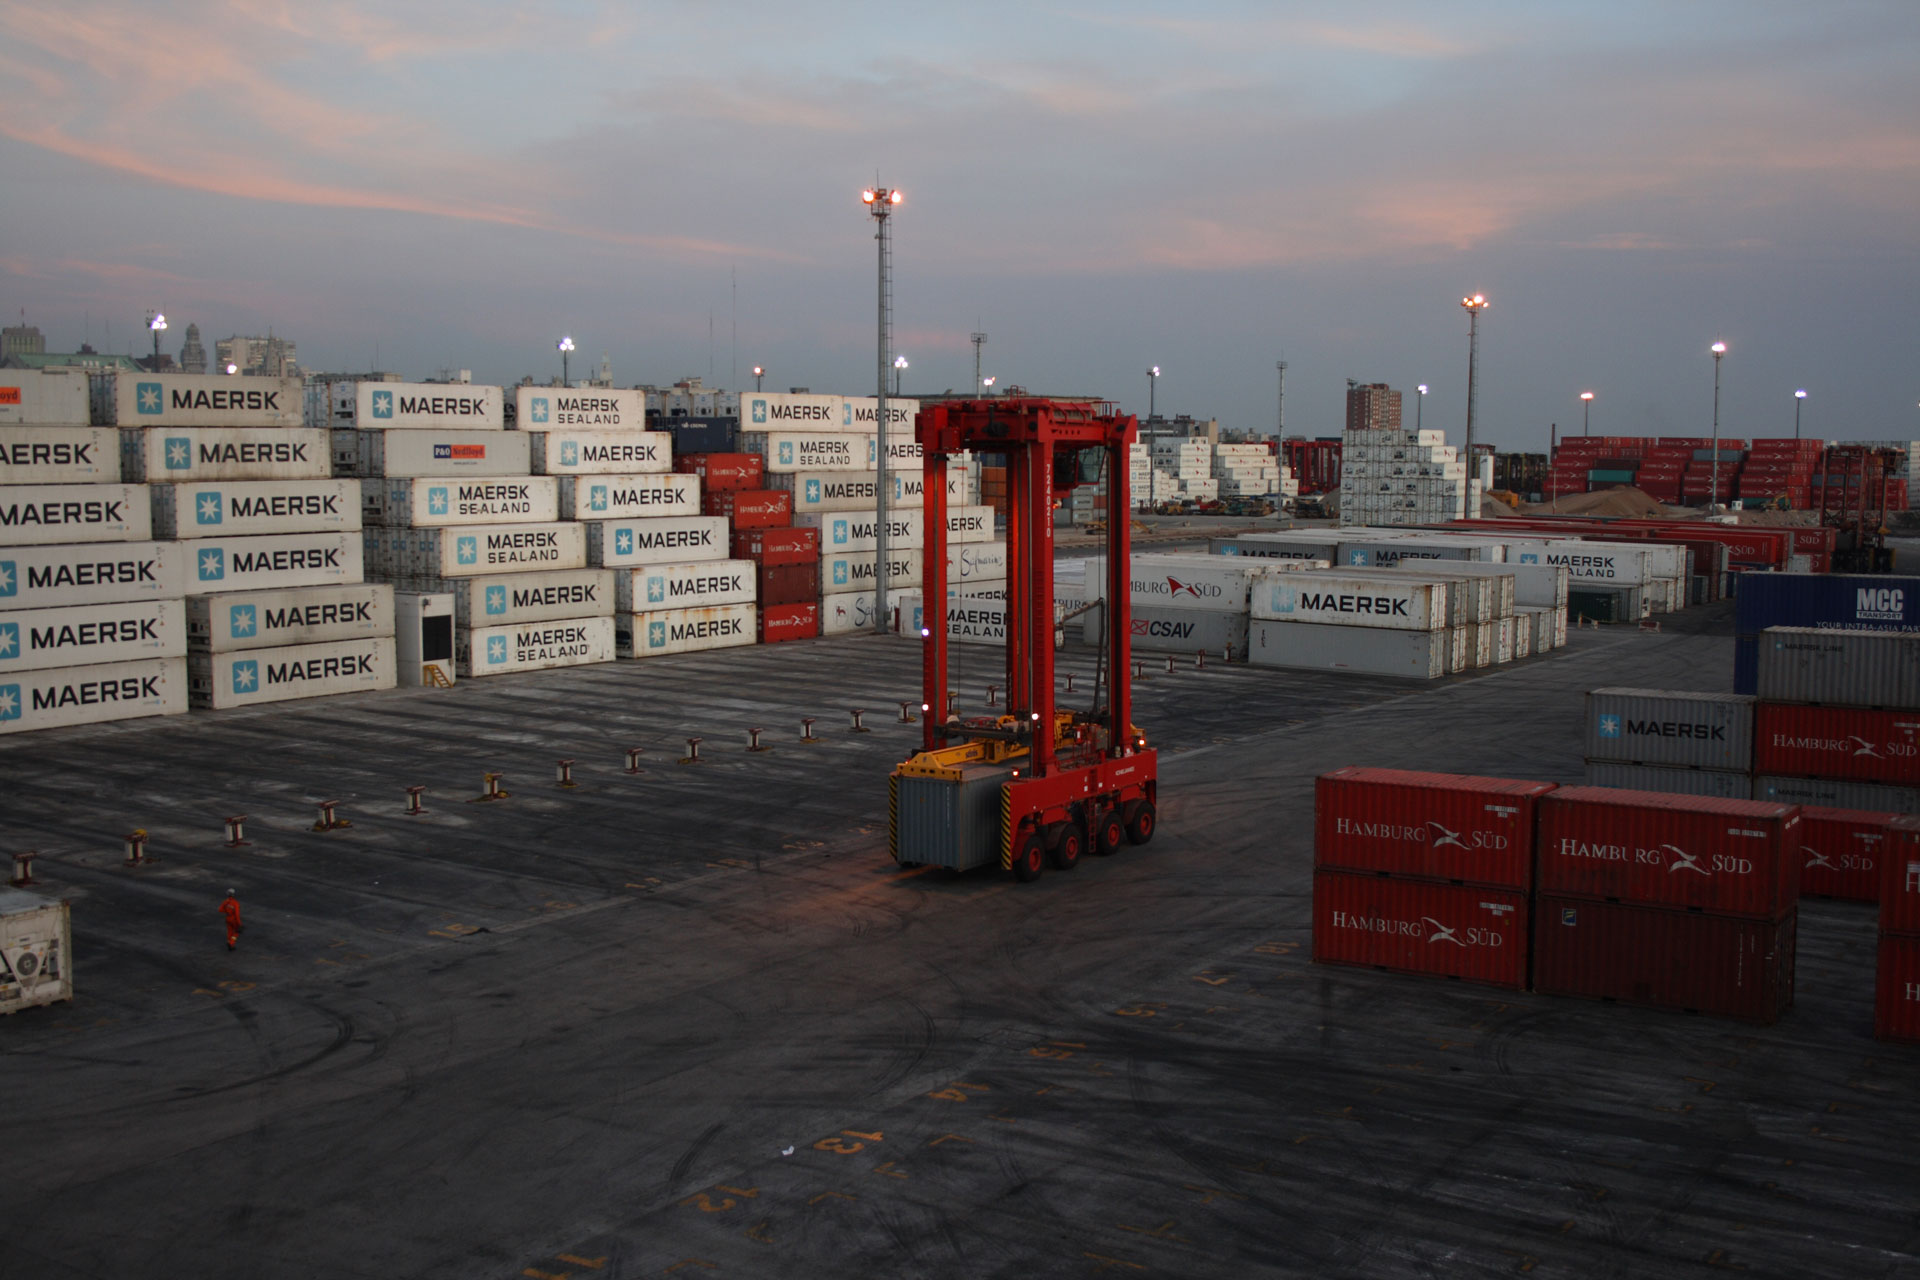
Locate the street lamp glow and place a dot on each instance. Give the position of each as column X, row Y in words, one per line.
column 899, row 362
column 1718, row 348
column 1422, row 388
column 564, row 345
column 233, row 368
column 1474, row 303
column 1586, row 409
column 989, row 380
column 1586, row 395
column 1798, row 398
column 1800, row 395
column 158, row 324
column 758, row 373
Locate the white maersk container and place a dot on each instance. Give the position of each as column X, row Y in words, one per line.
column 557, row 453
column 1315, row 646
column 502, row 599
column 200, row 400
column 250, row 676
column 36, row 950
column 58, row 455
column 619, row 544
column 90, row 634
column 273, row 562
column 101, row 573
column 771, row 410
column 439, row 502
column 844, row 612
column 971, row 618
column 1353, row 600
column 694, row 584
column 398, row 454
column 857, row 413
column 44, row 398
column 295, row 616
column 580, row 409
column 430, row 405
column 842, row 571
column 39, row 515
column 470, row 550
column 906, row 529
column 1610, row 563
column 225, row 453
column 534, row 646
column 629, row 497
column 647, row 635
column 853, row 490
column 58, row 696
column 822, row 450
column 226, row 508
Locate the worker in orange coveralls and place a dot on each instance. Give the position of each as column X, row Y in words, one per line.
column 230, row 908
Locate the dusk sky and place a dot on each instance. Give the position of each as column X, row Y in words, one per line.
column 1208, row 187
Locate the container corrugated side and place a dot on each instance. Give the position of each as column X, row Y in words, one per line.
column 694, row 584
column 1436, row 826
column 91, row 634
column 1158, row 629
column 244, row 678
column 972, row 562
column 1730, row 857
column 168, row 455
column 500, row 599
column 646, row 635
column 559, row 451
column 57, row 455
column 847, row 611
column 1726, row 784
column 618, row 544
column 1896, row 990
column 1352, row 599
column 41, row 515
column 533, row 646
column 403, row 454
column 1844, row 850
column 469, row 550
column 1666, row 959
column 842, row 571
column 439, row 502
column 61, row 696
column 45, row 398
column 1418, row 927
column 629, row 497
column 1837, row 793
column 1844, row 602
column 1837, row 742
column 99, row 573
column 202, row 400
column 787, row 451
column 239, row 508
column 429, row 406
column 1900, row 877
column 36, row 950
column 1660, row 726
column 1316, row 646
column 582, row 411
column 229, row 622
column 1839, row 668
column 273, row 562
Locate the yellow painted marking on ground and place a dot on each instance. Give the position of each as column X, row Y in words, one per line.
column 1210, row 1194
column 948, row 1137
column 1003, row 1118
column 1141, row 1010
column 887, row 1170
column 537, row 1274
column 1055, row 1049
column 758, row 1231
column 691, row 1262
column 749, row 1192
column 1276, row 948
column 875, row 1136
column 1202, row 976
column 956, row 1092
column 591, row 1264
column 1108, row 1264
column 831, row 1195
column 1162, row 1232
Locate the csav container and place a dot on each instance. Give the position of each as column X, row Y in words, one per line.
column 436, row 503
column 581, row 409
column 243, row 678
column 45, row 398
column 1837, row 793
column 39, row 515
column 405, row 454
column 618, row 544
column 1839, row 668
column 200, row 400
column 1160, row 629
column 752, row 508
column 1420, row 927
column 90, row 634
column 534, row 646
column 272, row 562
column 626, row 452
column 476, row 549
column 58, row 455
column 700, row 584
column 429, row 406
column 1843, row 850
column 1727, row 784
column 1657, row 726
column 646, row 635
column 101, row 573
column 1723, row 965
column 629, row 497
column 1729, row 857
column 775, row 546
column 174, row 454
column 1433, row 826
column 780, row 622
column 1319, row 646
column 299, row 615
column 60, row 696
column 36, row 949
column 721, row 472
column 1900, row 877
column 230, row 508
column 497, row 599
column 1838, row 742
column 1896, row 1003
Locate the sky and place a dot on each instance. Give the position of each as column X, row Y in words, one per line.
column 417, row 185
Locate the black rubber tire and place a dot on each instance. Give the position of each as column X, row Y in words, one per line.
column 1030, row 859
column 1109, row 833
column 1066, row 853
column 1141, row 822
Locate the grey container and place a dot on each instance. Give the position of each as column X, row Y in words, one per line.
column 1722, row 783
column 1174, row 630
column 1660, row 726
column 1278, row 546
column 1830, row 793
column 1839, row 668
column 1494, row 583
column 1320, row 646
column 941, row 823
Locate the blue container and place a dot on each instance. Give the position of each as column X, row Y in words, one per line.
column 701, row 435
column 1836, row 601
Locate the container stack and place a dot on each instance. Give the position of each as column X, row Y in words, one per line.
column 1656, row 740
column 1825, row 602
column 1188, row 603
column 1394, row 477
column 1425, row 873
column 1678, row 902
column 1361, row 620
column 92, row 625
column 811, row 452
column 1838, row 719
column 457, row 505
column 1251, row 471
column 1897, row 992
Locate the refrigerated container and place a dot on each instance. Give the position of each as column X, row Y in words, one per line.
column 1453, row 827
column 1319, row 646
column 1667, row 959
column 623, row 452
column 173, row 454
column 775, row 546
column 414, row 406
column 198, row 400
column 45, row 398
column 770, row 410
column 1837, row 793
column 973, row 562
column 1355, row 600
column 686, row 630
column 41, row 515
column 36, row 947
column 423, row 639
column 1622, row 775
column 405, row 454
column 236, row 508
column 91, row 573
column 273, row 561
column 842, row 571
column 688, row 585
column 617, row 544
column 1659, row 726
column 720, row 472
column 498, row 599
column 787, row 451
column 751, row 508
column 1838, row 668
column 246, row 677
column 469, row 550
column 57, row 455
column 581, row 409
column 534, row 646
column 227, row 622
column 629, row 497
column 59, row 696
column 91, row 634
column 440, row 502
column 1420, row 927
column 1157, row 629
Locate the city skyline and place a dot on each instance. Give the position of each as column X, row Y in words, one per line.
column 1207, row 192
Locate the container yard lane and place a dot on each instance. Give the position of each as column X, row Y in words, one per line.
column 693, row 1021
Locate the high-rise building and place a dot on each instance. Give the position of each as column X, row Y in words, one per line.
column 193, row 356
column 1372, row 406
column 268, row 357
column 22, row 339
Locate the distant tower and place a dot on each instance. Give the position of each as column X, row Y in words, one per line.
column 22, row 339
column 979, row 340
column 193, row 356
column 1371, row 406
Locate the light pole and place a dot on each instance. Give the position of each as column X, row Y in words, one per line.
column 979, row 340
column 758, row 373
column 1280, row 416
column 987, row 382
column 157, row 323
column 565, row 348
column 1153, row 382
column 880, row 202
column 1475, row 304
column 1799, row 398
column 1419, row 407
column 899, row 367
column 1719, row 349
column 1586, row 408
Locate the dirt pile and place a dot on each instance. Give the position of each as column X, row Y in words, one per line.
column 1626, row 503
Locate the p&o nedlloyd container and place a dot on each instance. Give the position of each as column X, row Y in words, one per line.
column 96, row 573
column 534, row 646
column 274, row 561
column 58, row 455
column 36, row 950
column 59, row 696
column 230, row 508
column 629, row 497
column 199, row 400
column 790, row 451
column 499, row 599
column 91, row 634
column 38, row 515
column 428, row 405
column 239, row 620
column 663, row 631
column 695, row 584
column 1420, row 927
column 403, row 454
column 438, row 502
column 173, row 454
column 581, row 409
column 468, row 550
column 45, row 398
column 1658, row 726
column 1320, row 646
column 617, row 544
column 1435, row 826
column 629, row 452
column 1839, row 668
column 1352, row 599
column 240, row 678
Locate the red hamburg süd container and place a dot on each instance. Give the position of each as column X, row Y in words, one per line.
column 721, row 472
column 1896, row 991
column 1436, row 826
column 788, row 583
column 1418, row 926
column 1665, row 958
column 1837, row 742
column 1900, row 877
column 751, row 508
column 789, row 622
column 777, row 546
column 1730, row 857
column 1841, row 852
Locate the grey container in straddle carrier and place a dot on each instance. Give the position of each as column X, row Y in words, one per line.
column 1659, row 726
column 1839, row 668
column 1726, row 784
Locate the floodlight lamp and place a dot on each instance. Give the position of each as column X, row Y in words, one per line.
column 1422, row 388
column 1586, row 395
column 565, row 344
column 894, row 197
column 233, row 368
column 1800, row 395
column 866, row 197
column 1719, row 348
column 158, row 323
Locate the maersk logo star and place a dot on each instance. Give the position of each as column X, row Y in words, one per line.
column 1609, row 726
column 9, row 580
column 656, row 590
column 813, row 492
column 623, row 542
column 786, row 453
column 383, row 404
column 1359, row 556
column 436, row 502
column 496, row 600
column 569, row 453
column 839, row 573
column 656, row 634
column 839, row 533
column 538, row 410
column 148, row 397
column 597, row 498
column 9, row 639
column 496, row 649
column 242, row 621
column 179, row 453
column 759, row 410
column 246, row 676
column 209, row 509
column 467, row 550
column 9, row 702
column 213, row 564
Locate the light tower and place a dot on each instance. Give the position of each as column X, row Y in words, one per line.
column 1419, row 407
column 758, row 373
column 1586, row 407
column 1799, row 398
column 880, row 202
column 157, row 323
column 565, row 348
column 1280, row 416
column 1475, row 304
column 1153, row 383
column 899, row 368
column 1719, row 350
column 979, row 340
